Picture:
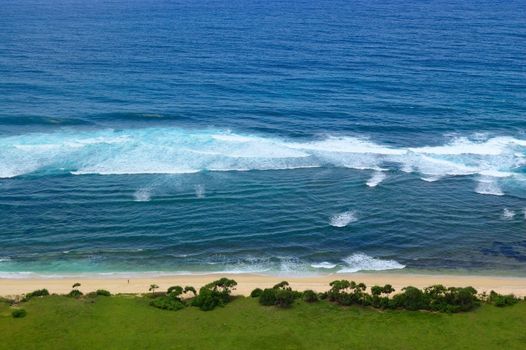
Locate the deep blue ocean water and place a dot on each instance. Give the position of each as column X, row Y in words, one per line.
column 262, row 136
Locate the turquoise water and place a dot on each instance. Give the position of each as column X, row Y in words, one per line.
column 279, row 137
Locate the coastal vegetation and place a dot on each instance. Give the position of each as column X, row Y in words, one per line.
column 130, row 322
column 436, row 298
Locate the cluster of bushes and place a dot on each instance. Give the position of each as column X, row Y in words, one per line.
column 342, row 292
column 36, row 293
column 281, row 295
column 500, row 300
column 75, row 293
column 433, row 298
column 210, row 296
column 346, row 293
column 172, row 299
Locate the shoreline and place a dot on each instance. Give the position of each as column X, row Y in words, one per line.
column 248, row 282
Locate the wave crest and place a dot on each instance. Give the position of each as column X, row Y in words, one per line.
column 362, row 262
column 343, row 219
column 174, row 151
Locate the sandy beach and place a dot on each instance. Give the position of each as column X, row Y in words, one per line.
column 247, row 282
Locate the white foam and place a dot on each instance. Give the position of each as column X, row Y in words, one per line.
column 430, row 178
column 323, row 265
column 489, row 186
column 376, row 179
column 507, row 214
column 178, row 151
column 142, row 195
column 362, row 262
column 462, row 145
column 343, row 219
column 200, row 191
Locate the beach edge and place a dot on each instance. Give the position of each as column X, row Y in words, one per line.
column 248, row 282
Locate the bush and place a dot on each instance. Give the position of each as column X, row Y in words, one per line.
column 175, row 290
column 103, row 292
column 256, row 293
column 347, row 293
column 412, row 298
column 75, row 293
column 18, row 313
column 268, row 297
column 310, row 296
column 281, row 295
column 172, row 300
column 207, row 299
column 167, row 303
column 284, row 297
column 214, row 294
column 500, row 300
column 36, row 293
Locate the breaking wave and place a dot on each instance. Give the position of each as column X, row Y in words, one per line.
column 375, row 180
column 175, row 151
column 323, row 265
column 343, row 219
column 507, row 214
column 362, row 262
column 142, row 195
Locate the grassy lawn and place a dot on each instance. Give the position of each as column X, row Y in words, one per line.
column 127, row 322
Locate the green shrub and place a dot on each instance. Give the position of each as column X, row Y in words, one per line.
column 502, row 300
column 284, row 297
column 175, row 290
column 167, row 303
column 36, row 293
column 256, row 293
column 411, row 298
column 75, row 293
column 310, row 296
column 214, row 294
column 103, row 292
column 207, row 299
column 18, row 313
column 281, row 295
column 172, row 300
column 190, row 289
column 282, row 285
column 268, row 297
column 347, row 293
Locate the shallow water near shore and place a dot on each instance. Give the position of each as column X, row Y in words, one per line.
column 279, row 138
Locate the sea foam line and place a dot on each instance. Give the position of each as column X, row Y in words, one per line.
column 362, row 262
column 174, row 151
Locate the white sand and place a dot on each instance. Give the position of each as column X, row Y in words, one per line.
column 247, row 282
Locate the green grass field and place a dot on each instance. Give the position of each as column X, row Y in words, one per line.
column 128, row 322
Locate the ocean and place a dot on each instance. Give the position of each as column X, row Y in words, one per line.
column 281, row 137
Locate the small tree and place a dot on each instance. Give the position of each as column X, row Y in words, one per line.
column 174, row 291
column 216, row 293
column 153, row 287
column 190, row 289
column 376, row 291
column 75, row 292
column 388, row 289
column 282, row 285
